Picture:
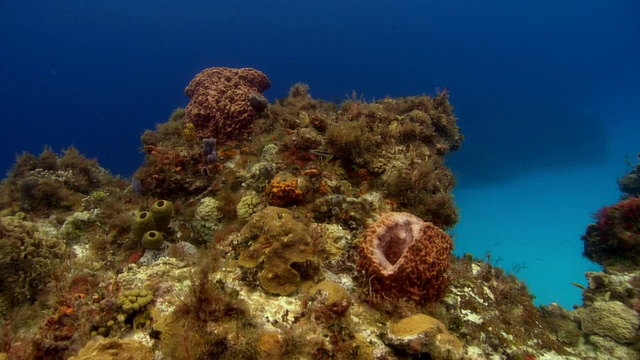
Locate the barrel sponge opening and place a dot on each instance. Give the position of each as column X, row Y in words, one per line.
column 405, row 257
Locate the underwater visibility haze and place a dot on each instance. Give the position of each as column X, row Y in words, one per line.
column 331, row 171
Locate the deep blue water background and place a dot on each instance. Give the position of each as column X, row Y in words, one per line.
column 547, row 94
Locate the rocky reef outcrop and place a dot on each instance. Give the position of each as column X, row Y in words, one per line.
column 301, row 229
column 610, row 316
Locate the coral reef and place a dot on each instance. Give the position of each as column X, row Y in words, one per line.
column 173, row 163
column 610, row 315
column 208, row 322
column 610, row 312
column 405, row 257
column 223, row 102
column 354, row 262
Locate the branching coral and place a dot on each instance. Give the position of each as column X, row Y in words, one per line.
column 405, row 257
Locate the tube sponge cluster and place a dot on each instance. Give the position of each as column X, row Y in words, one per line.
column 149, row 226
column 405, row 257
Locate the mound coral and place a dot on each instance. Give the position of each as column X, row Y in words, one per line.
column 110, row 349
column 612, row 319
column 405, row 257
column 279, row 241
column 422, row 334
column 222, row 101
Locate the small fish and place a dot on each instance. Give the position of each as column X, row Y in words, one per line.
column 578, row 285
column 321, row 152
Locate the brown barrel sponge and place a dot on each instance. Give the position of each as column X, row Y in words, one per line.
column 405, row 257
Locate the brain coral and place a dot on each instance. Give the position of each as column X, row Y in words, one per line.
column 405, row 257
column 221, row 105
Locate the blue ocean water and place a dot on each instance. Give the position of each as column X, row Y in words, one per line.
column 547, row 94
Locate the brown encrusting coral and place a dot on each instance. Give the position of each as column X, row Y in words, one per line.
column 278, row 244
column 405, row 257
column 225, row 102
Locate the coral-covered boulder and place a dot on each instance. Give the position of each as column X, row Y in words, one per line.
column 614, row 240
column 405, row 257
column 225, row 101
